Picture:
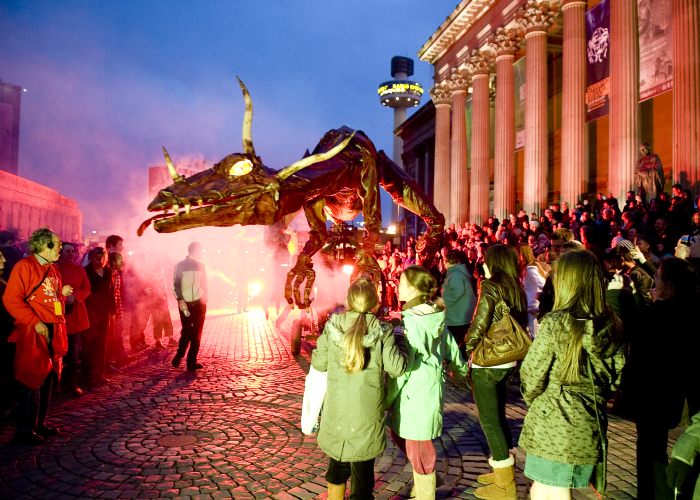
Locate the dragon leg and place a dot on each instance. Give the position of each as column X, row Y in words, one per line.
column 368, row 190
column 406, row 193
column 303, row 270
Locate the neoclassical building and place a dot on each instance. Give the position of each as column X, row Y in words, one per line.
column 511, row 134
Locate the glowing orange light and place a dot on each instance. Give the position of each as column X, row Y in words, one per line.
column 254, row 289
column 347, row 269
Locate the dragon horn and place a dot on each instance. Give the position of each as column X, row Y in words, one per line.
column 310, row 160
column 247, row 121
column 171, row 167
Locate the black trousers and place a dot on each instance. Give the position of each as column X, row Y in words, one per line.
column 361, row 475
column 490, row 388
column 34, row 405
column 191, row 334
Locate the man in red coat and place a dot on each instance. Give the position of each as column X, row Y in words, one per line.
column 35, row 297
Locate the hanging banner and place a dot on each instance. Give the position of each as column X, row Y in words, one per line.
column 519, row 84
column 598, row 61
column 655, row 47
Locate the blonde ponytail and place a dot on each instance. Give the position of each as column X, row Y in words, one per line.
column 362, row 298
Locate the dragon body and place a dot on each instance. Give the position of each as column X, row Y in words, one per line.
column 338, row 181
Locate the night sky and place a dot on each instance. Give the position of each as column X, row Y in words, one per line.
column 108, row 83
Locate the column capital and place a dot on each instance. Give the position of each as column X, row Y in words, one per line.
column 481, row 62
column 505, row 42
column 460, row 80
column 574, row 3
column 441, row 94
column 537, row 17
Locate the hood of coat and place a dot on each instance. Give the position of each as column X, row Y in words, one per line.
column 429, row 320
column 340, row 323
column 456, row 268
column 603, row 334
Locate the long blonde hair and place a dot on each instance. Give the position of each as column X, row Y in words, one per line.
column 578, row 288
column 362, row 298
column 528, row 259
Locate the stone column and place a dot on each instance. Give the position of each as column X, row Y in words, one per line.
column 441, row 186
column 536, row 18
column 574, row 172
column 505, row 43
column 686, row 102
column 624, row 96
column 481, row 65
column 459, row 82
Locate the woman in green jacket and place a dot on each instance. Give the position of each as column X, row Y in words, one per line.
column 356, row 349
column 560, row 432
column 415, row 399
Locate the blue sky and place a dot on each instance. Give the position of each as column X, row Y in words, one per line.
column 108, row 83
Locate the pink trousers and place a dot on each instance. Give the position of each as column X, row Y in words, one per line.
column 421, row 454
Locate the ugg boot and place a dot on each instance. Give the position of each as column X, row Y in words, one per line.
column 336, row 491
column 490, row 478
column 504, row 486
column 438, row 482
column 425, row 485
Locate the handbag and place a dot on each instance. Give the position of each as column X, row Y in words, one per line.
column 599, row 479
column 505, row 342
column 314, row 396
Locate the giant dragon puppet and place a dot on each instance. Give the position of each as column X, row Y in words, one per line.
column 340, row 179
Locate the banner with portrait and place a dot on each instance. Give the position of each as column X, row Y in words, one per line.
column 519, row 84
column 598, row 61
column 655, row 47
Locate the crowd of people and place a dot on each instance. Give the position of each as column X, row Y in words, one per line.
column 609, row 296
column 92, row 313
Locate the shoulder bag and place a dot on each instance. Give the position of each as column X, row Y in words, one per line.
column 505, row 342
column 599, row 478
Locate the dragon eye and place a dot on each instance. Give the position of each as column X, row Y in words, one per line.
column 241, row 168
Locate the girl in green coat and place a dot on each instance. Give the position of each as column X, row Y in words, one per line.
column 560, row 432
column 356, row 349
column 415, row 399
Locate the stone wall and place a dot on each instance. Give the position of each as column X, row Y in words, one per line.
column 26, row 206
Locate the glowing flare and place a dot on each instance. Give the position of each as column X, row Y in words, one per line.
column 347, row 269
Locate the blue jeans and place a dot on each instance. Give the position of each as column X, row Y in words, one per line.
column 490, row 387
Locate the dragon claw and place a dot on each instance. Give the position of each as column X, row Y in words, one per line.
column 302, row 270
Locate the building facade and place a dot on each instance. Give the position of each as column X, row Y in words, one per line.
column 10, row 100
column 519, row 122
column 26, row 206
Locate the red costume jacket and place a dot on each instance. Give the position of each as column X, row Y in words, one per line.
column 74, row 275
column 33, row 361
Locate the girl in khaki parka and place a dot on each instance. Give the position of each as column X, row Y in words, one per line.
column 356, row 349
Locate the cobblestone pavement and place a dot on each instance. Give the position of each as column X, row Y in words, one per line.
column 232, row 430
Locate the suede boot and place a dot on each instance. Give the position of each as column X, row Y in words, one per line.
column 336, row 491
column 504, row 486
column 438, row 482
column 490, row 478
column 425, row 485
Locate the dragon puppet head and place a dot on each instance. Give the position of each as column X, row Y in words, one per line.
column 237, row 190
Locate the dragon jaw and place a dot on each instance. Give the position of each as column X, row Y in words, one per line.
column 217, row 197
